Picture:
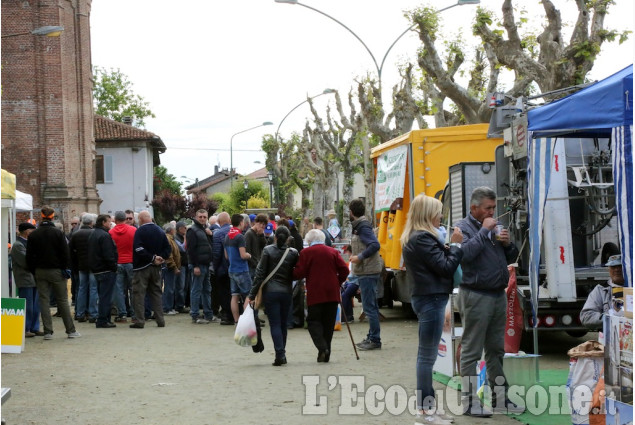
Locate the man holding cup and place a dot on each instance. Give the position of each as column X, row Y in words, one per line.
column 482, row 302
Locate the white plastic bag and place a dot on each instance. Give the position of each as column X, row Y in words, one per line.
column 246, row 334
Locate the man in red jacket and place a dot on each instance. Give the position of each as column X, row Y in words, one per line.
column 123, row 235
column 325, row 271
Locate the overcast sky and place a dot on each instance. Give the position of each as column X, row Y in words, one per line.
column 210, row 69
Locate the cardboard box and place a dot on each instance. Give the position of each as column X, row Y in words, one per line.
column 628, row 302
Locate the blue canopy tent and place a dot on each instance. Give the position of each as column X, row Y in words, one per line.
column 602, row 110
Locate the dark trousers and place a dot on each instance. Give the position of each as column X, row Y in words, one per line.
column 224, row 296
column 277, row 306
column 106, row 289
column 147, row 281
column 321, row 323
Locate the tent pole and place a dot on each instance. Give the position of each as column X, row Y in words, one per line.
column 536, row 353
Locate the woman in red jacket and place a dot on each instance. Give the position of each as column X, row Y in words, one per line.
column 324, row 271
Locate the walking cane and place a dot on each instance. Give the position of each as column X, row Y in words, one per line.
column 348, row 327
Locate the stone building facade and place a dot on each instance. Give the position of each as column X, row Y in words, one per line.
column 47, row 112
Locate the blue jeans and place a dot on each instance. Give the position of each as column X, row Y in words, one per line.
column 87, row 295
column 169, row 281
column 179, row 290
column 347, row 297
column 430, row 310
column 201, row 292
column 240, row 283
column 124, row 285
column 106, row 283
column 277, row 305
column 32, row 320
column 368, row 286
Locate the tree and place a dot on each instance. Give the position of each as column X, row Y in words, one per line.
column 164, row 181
column 546, row 59
column 114, row 98
column 170, row 206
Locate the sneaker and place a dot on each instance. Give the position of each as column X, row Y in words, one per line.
column 71, row 335
column 48, row 336
column 227, row 322
column 214, row 319
column 202, row 321
column 433, row 419
column 171, row 313
column 369, row 345
column 508, row 407
column 445, row 417
column 364, row 341
column 121, row 319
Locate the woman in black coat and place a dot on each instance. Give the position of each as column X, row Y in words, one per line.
column 430, row 267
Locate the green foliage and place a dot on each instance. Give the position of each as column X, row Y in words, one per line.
column 257, row 201
column 114, row 98
column 163, row 181
column 427, row 18
column 236, row 201
column 222, row 199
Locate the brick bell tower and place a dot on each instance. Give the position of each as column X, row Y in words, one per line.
column 47, row 111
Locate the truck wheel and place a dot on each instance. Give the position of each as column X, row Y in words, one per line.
column 577, row 334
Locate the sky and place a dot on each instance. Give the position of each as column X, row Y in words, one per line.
column 211, row 69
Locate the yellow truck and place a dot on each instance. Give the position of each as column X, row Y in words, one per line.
column 414, row 163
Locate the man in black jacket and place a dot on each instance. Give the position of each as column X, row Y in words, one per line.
column 86, row 305
column 199, row 254
column 102, row 257
column 48, row 259
column 149, row 251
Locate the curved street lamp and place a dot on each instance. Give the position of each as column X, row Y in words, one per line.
column 379, row 68
column 48, row 30
column 231, row 150
column 326, row 91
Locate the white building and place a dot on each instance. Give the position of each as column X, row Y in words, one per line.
column 124, row 164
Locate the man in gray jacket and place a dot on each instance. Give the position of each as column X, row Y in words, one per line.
column 367, row 266
column 25, row 281
column 482, row 302
column 599, row 301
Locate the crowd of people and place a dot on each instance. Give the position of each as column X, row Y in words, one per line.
column 125, row 269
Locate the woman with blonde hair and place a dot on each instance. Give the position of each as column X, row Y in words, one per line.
column 430, row 267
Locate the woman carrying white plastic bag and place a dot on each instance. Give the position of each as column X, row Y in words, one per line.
column 246, row 333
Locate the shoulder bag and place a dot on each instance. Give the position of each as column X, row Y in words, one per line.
column 259, row 299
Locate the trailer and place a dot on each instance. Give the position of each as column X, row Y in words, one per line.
column 414, row 163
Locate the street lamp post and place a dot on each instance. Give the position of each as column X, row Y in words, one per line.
column 326, row 91
column 246, row 187
column 380, row 67
column 270, row 177
column 231, row 150
column 49, row 31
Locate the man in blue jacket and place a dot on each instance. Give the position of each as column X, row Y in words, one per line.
column 482, row 302
column 221, row 268
column 102, row 258
column 150, row 249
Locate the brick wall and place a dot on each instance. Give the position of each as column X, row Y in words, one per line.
column 47, row 115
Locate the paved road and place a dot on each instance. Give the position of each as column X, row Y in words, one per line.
column 187, row 373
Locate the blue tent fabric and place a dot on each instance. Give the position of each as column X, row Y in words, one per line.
column 604, row 109
column 591, row 112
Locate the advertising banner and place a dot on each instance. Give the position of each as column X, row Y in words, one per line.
column 12, row 323
column 391, row 177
